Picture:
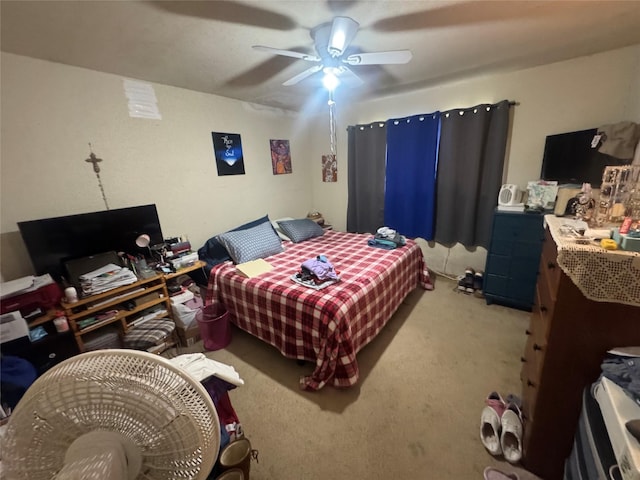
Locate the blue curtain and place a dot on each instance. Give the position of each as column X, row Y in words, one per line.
column 410, row 188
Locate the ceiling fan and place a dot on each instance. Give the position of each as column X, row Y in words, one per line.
column 331, row 41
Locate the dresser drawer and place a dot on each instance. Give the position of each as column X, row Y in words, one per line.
column 549, row 265
column 545, row 304
column 498, row 264
column 496, row 285
column 535, row 348
column 529, row 394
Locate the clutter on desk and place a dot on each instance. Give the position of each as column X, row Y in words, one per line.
column 31, row 295
column 619, row 195
column 106, row 278
column 541, row 195
column 611, row 218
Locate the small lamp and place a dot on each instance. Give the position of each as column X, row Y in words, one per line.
column 143, row 241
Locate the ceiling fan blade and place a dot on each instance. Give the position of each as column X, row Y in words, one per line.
column 301, row 76
column 287, row 53
column 343, row 29
column 229, row 11
column 349, row 78
column 379, row 58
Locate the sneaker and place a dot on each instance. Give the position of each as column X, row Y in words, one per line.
column 490, row 423
column 491, row 473
column 477, row 284
column 462, row 283
column 511, row 436
column 490, row 426
column 495, row 401
column 469, row 274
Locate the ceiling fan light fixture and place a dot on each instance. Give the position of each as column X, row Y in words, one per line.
column 331, row 42
column 330, row 81
column 343, row 29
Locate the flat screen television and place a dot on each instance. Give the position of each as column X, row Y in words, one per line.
column 569, row 158
column 52, row 241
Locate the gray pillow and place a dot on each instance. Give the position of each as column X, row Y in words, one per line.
column 300, row 230
column 253, row 243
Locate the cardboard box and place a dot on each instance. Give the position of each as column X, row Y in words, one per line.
column 188, row 336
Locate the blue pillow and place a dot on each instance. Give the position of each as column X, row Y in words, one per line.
column 253, row 243
column 300, row 230
column 213, row 252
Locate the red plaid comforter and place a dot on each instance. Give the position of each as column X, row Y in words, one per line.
column 327, row 326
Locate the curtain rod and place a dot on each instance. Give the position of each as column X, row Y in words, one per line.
column 512, row 103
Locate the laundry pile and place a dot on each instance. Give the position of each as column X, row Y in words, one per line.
column 501, row 426
column 316, row 273
column 387, row 239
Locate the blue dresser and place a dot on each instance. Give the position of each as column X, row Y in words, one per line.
column 511, row 271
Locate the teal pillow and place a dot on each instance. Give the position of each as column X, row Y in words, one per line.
column 301, row 229
column 253, row 243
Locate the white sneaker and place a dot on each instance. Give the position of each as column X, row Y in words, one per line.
column 511, row 436
column 490, row 430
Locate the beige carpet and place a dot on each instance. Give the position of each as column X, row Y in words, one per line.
column 415, row 412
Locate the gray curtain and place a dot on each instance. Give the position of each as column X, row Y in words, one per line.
column 367, row 147
column 470, row 163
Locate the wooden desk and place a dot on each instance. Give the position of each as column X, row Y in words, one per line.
column 196, row 265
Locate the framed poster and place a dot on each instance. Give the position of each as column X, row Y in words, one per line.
column 280, row 156
column 227, row 148
column 329, row 168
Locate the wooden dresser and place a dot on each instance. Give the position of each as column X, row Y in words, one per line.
column 568, row 337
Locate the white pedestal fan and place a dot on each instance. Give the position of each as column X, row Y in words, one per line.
column 112, row 414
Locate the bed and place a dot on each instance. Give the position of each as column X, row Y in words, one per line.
column 329, row 326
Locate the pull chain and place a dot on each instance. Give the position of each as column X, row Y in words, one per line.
column 332, row 124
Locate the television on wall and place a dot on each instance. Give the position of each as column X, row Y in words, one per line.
column 569, row 158
column 53, row 241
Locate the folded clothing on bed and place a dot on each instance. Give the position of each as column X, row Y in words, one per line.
column 316, row 273
column 321, row 267
column 387, row 239
column 312, row 283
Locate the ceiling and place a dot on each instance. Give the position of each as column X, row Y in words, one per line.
column 206, row 45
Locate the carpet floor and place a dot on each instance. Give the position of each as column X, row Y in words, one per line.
column 415, row 412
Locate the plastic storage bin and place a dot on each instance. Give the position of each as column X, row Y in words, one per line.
column 213, row 321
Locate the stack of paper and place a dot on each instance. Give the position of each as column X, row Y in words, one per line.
column 106, row 278
column 254, row 268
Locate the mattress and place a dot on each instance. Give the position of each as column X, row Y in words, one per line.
column 326, row 327
column 592, row 457
column 617, row 408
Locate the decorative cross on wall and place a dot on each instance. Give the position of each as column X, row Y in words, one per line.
column 96, row 168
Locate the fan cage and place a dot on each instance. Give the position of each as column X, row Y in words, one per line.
column 154, row 404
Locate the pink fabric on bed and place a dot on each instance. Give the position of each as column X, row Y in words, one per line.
column 327, row 326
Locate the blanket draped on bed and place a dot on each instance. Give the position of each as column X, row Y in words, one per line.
column 327, row 326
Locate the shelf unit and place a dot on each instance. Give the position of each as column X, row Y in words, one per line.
column 113, row 300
